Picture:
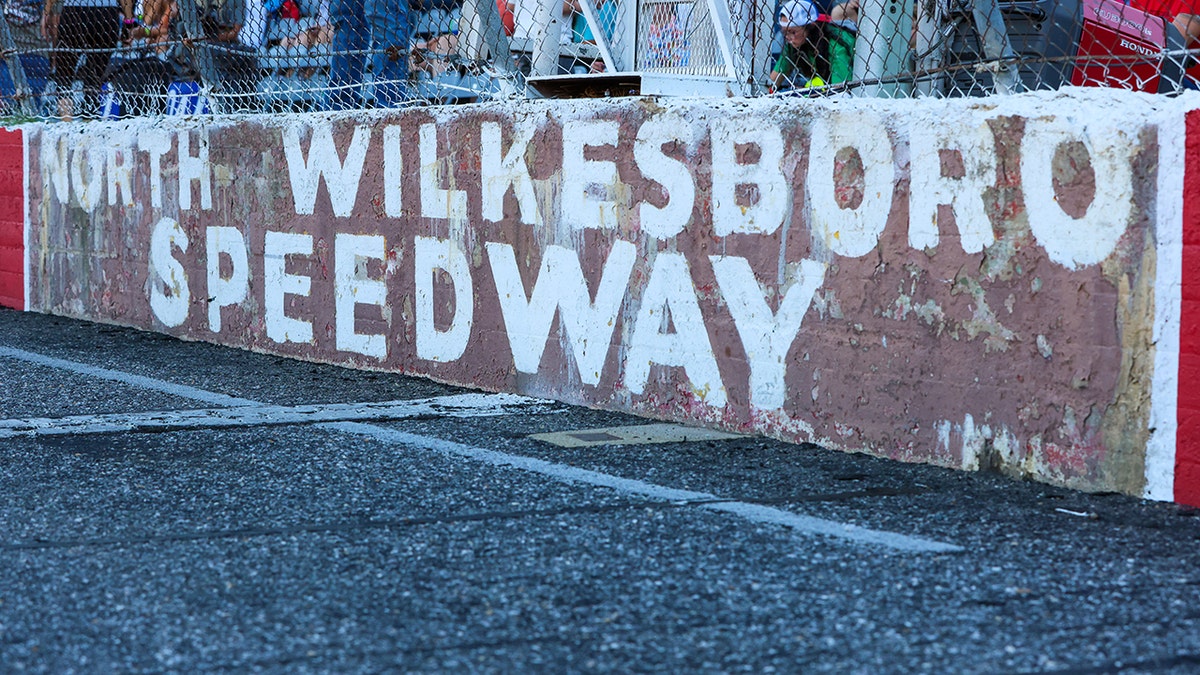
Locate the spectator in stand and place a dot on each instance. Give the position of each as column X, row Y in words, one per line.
column 235, row 61
column 24, row 24
column 153, row 27
column 816, row 52
column 526, row 30
column 75, row 28
column 845, row 15
column 320, row 33
column 357, row 24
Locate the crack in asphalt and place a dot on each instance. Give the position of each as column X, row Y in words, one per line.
column 427, row 649
column 1121, row 665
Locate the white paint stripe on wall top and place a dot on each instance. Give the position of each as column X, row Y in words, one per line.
column 1168, row 229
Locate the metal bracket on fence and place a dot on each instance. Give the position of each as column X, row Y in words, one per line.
column 994, row 67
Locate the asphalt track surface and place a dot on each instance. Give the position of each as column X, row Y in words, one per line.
column 169, row 506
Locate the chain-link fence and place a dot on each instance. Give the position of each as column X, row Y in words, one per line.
column 111, row 58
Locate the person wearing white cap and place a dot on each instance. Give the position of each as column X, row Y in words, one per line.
column 815, row 52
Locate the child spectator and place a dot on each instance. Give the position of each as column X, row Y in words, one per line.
column 816, row 53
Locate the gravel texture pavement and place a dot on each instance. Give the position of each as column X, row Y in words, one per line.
column 308, row 548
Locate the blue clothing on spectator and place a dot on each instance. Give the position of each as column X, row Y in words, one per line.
column 582, row 32
column 382, row 26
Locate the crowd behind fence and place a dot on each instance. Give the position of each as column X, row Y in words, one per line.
column 68, row 59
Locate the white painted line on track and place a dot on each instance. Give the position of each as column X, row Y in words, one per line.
column 180, row 390
column 756, row 513
column 458, row 405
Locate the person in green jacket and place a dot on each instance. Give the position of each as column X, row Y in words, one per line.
column 815, row 52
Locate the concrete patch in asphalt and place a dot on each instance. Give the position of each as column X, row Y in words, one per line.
column 641, row 434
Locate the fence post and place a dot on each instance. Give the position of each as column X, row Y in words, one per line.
column 625, row 36
column 548, row 13
column 881, row 51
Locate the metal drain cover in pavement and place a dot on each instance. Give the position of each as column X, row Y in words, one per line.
column 636, row 435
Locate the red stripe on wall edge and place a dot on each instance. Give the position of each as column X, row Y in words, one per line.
column 12, row 219
column 1187, row 439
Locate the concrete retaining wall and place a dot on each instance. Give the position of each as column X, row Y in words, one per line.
column 978, row 284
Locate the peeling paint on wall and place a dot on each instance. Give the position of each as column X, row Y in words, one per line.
column 970, row 284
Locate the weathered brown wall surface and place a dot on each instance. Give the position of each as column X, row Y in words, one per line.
column 968, row 284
